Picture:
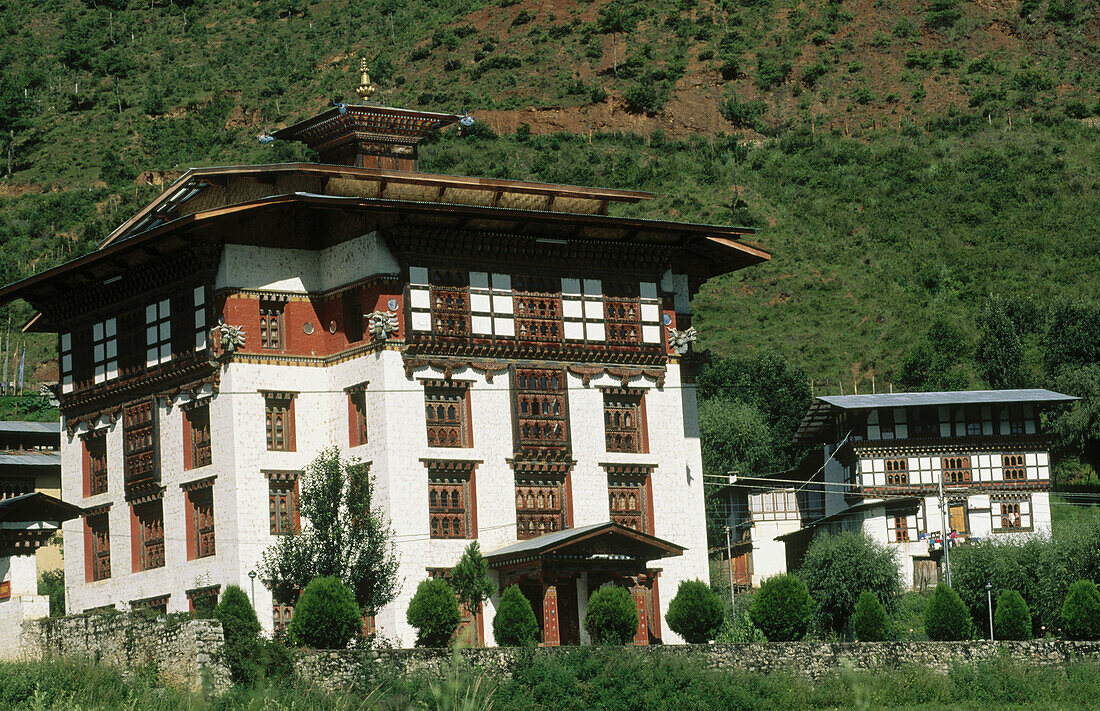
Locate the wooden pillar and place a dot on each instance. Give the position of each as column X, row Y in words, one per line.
column 550, row 635
column 641, row 602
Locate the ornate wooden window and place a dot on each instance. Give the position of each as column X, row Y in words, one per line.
column 542, row 421
column 105, row 350
column 903, row 526
column 95, row 462
column 897, row 472
column 357, row 416
column 158, row 333
column 628, row 501
column 623, row 420
column 447, row 413
column 139, row 436
column 956, row 470
column 200, row 519
column 538, row 309
column 540, row 506
column 776, row 505
column 150, row 535
column 197, row 437
column 449, row 290
column 203, row 600
column 1013, row 467
column 10, row 488
column 156, row 604
column 450, row 502
column 271, row 324
column 282, row 498
column 280, row 617
column 98, row 547
column 279, row 413
column 622, row 312
column 1011, row 513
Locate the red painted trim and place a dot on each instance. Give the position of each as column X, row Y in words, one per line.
column 569, row 498
column 135, row 541
column 5, row 590
column 352, row 424
column 291, row 429
column 187, row 459
column 643, row 425
column 473, row 503
column 650, row 526
column 89, row 554
column 468, row 419
column 655, row 621
column 295, row 514
column 87, row 464
column 189, row 526
column 551, row 636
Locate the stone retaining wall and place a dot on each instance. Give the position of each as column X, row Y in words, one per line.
column 185, row 654
column 341, row 669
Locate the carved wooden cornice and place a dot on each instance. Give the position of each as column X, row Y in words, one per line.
column 168, row 382
column 624, row 373
column 916, row 446
column 282, row 475
column 632, row 470
column 144, row 494
column 489, row 369
column 198, row 484
column 465, row 466
column 93, row 511
column 651, row 356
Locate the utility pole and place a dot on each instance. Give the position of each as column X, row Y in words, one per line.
column 729, row 556
column 943, row 535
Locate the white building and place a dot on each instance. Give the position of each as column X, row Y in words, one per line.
column 498, row 352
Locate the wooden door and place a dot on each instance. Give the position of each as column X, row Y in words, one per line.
column 926, row 574
column 958, row 517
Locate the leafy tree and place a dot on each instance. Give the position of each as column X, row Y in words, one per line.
column 514, row 624
column 782, row 608
column 695, row 613
column 326, row 616
column 1078, row 427
column 433, row 611
column 869, row 620
column 470, row 579
column 999, row 354
column 1012, row 619
column 243, row 651
column 838, row 567
column 1070, row 339
column 946, row 617
column 52, row 584
column 938, row 361
column 612, row 617
column 345, row 536
column 1081, row 611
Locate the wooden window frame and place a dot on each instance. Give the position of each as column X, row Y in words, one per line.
column 200, row 519
column 449, row 292
column 1013, row 467
column 158, row 603
column 441, row 397
column 622, row 485
column 1013, row 505
column 210, row 593
column 197, row 451
column 139, row 433
column 94, row 455
column 956, row 469
column 10, row 487
column 553, row 515
column 358, row 433
column 538, row 309
column 97, row 546
column 897, row 471
column 957, row 503
column 147, row 535
column 448, row 481
column 158, row 333
column 622, row 302
column 280, row 617
column 274, row 405
column 272, row 325
column 284, row 514
column 619, row 437
column 534, row 394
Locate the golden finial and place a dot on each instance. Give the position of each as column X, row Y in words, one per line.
column 366, row 89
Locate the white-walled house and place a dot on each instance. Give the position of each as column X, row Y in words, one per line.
column 505, row 357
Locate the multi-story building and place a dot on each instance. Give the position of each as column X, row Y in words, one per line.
column 882, row 461
column 30, row 461
column 505, row 357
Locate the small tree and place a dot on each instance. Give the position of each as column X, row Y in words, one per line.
column 347, row 537
column 326, row 616
column 695, row 613
column 612, row 617
column 782, row 608
column 946, row 617
column 837, row 568
column 433, row 611
column 243, row 651
column 514, row 624
column 1012, row 619
column 1081, row 611
column 470, row 579
column 869, row 620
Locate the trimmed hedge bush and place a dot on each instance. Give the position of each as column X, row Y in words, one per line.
column 326, row 616
column 612, row 617
column 869, row 620
column 514, row 624
column 1012, row 619
column 946, row 617
column 243, row 651
column 695, row 613
column 1081, row 611
column 433, row 611
column 782, row 608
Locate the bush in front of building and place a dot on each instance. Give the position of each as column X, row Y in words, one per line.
column 1081, row 611
column 782, row 608
column 1012, row 619
column 838, row 567
column 869, row 620
column 695, row 613
column 433, row 612
column 946, row 618
column 612, row 616
column 514, row 624
column 326, row 616
column 243, row 650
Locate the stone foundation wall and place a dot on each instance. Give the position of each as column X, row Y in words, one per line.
column 186, row 654
column 342, row 669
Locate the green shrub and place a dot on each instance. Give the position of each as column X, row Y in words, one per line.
column 1012, row 619
column 52, row 584
column 743, row 114
column 837, row 568
column 946, row 617
column 695, row 613
column 243, row 651
column 612, row 617
column 326, row 616
column 433, row 611
column 643, row 97
column 869, row 620
column 782, row 608
column 514, row 624
column 1081, row 611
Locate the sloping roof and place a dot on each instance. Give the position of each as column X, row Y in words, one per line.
column 37, row 506
column 31, row 459
column 560, row 541
column 857, row 508
column 34, row 427
column 823, row 408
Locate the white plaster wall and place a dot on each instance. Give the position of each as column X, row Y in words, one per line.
column 22, row 572
column 769, row 556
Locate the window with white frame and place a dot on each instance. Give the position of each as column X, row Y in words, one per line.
column 903, row 526
column 582, row 310
column 1011, row 514
column 158, row 333
column 200, row 318
column 780, row 505
column 65, row 348
column 491, row 308
column 105, row 350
